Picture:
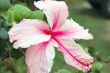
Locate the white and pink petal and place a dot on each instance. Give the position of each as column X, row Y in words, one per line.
column 39, row 58
column 28, row 32
column 56, row 12
column 74, row 54
column 75, row 31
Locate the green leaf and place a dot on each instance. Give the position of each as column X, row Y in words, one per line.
column 91, row 72
column 3, row 33
column 4, row 5
column 80, row 71
column 97, row 66
column 21, row 63
column 37, row 15
column 63, row 71
column 17, row 13
column 21, row 12
column 16, row 53
column 10, row 16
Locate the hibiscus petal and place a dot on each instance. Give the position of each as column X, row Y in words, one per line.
column 75, row 31
column 28, row 32
column 56, row 12
column 74, row 55
column 39, row 58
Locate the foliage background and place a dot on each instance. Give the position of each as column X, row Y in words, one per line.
column 12, row 61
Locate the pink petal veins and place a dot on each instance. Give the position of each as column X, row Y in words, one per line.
column 28, row 32
column 39, row 58
column 75, row 31
column 56, row 12
column 74, row 55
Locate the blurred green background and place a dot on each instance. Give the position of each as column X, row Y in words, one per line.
column 81, row 12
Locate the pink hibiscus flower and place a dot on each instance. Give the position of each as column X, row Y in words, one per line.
column 40, row 39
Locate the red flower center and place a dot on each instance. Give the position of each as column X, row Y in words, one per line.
column 53, row 33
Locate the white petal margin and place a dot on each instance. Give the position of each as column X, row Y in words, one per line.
column 28, row 32
column 74, row 55
column 56, row 12
column 39, row 58
column 75, row 31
